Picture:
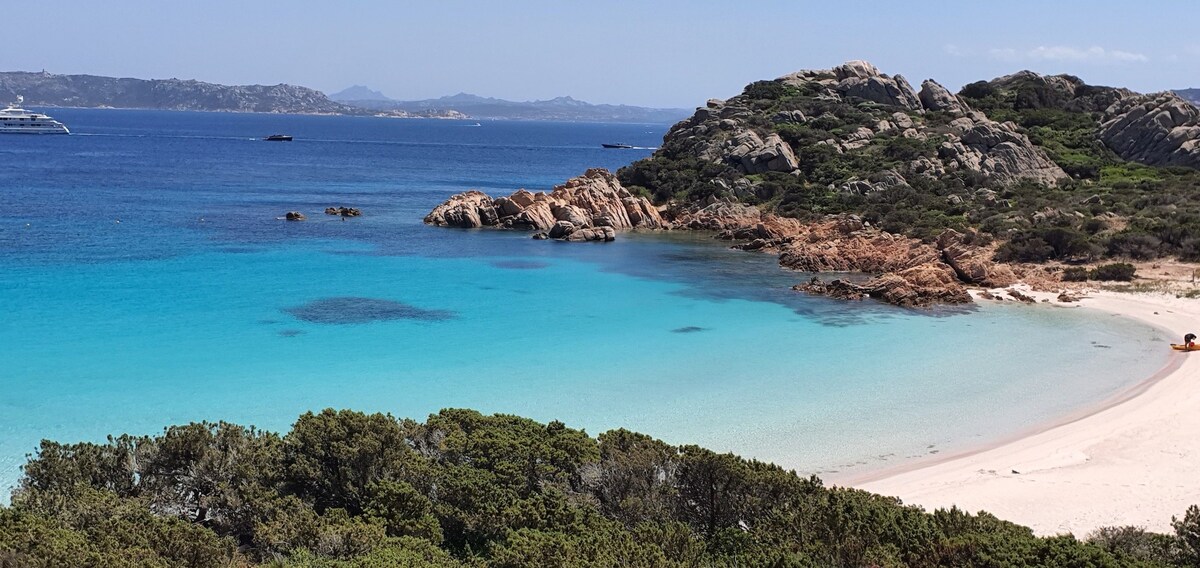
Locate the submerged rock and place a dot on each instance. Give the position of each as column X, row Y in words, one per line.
column 347, row 310
column 343, row 211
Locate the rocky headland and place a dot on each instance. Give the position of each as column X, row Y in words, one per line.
column 851, row 170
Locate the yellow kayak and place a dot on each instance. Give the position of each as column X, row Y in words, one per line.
column 1182, row 347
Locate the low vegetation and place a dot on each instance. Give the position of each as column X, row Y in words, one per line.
column 346, row 489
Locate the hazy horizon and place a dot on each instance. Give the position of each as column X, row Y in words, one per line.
column 669, row 54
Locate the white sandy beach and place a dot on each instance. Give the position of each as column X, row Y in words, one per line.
column 1133, row 461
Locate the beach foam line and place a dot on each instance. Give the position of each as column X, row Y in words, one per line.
column 1131, row 460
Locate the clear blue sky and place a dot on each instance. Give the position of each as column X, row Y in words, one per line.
column 663, row 53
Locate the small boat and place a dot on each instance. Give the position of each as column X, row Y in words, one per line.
column 1182, row 347
column 617, row 146
column 279, row 138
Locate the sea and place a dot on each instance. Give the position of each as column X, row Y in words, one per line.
column 147, row 278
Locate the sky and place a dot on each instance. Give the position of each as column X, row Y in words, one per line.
column 651, row 53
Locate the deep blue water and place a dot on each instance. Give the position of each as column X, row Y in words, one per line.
column 146, row 280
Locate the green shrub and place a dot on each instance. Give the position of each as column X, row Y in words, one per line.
column 1118, row 271
column 1075, row 274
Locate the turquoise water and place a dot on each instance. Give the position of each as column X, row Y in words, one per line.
column 200, row 305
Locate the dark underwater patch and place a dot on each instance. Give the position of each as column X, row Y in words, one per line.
column 520, row 264
column 689, row 329
column 290, row 332
column 344, row 310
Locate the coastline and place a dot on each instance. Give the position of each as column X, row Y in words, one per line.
column 1125, row 461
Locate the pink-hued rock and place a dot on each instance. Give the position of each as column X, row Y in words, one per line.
column 595, row 202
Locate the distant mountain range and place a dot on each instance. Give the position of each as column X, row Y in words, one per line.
column 1192, row 95
column 91, row 91
column 359, row 93
column 560, row 108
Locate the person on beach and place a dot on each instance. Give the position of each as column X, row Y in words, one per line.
column 1189, row 340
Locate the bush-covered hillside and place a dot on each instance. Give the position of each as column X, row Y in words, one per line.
column 916, row 163
column 346, row 489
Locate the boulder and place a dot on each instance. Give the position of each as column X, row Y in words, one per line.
column 575, row 215
column 465, row 210
column 880, row 181
column 935, row 97
column 862, row 80
column 343, row 211
column 755, row 155
column 972, row 264
column 536, row 217
column 1157, row 130
column 294, row 216
column 601, row 234
column 561, row 230
column 998, row 150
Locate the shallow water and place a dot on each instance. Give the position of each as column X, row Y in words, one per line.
column 199, row 304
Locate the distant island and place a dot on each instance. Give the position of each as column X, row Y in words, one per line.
column 92, row 91
column 559, row 108
column 1191, row 95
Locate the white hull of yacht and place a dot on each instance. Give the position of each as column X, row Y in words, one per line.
column 14, row 120
column 60, row 129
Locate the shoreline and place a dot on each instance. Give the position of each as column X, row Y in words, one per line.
column 1123, row 461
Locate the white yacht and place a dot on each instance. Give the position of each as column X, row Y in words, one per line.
column 16, row 120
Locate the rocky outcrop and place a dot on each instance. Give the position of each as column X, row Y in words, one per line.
column 1030, row 90
column 591, row 207
column 294, row 216
column 998, row 150
column 917, row 287
column 1157, row 130
column 881, row 181
column 971, row 263
column 907, row 271
column 847, row 245
column 467, row 210
column 736, row 221
column 755, row 155
column 861, row 80
column 935, row 97
column 343, row 211
column 738, row 133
